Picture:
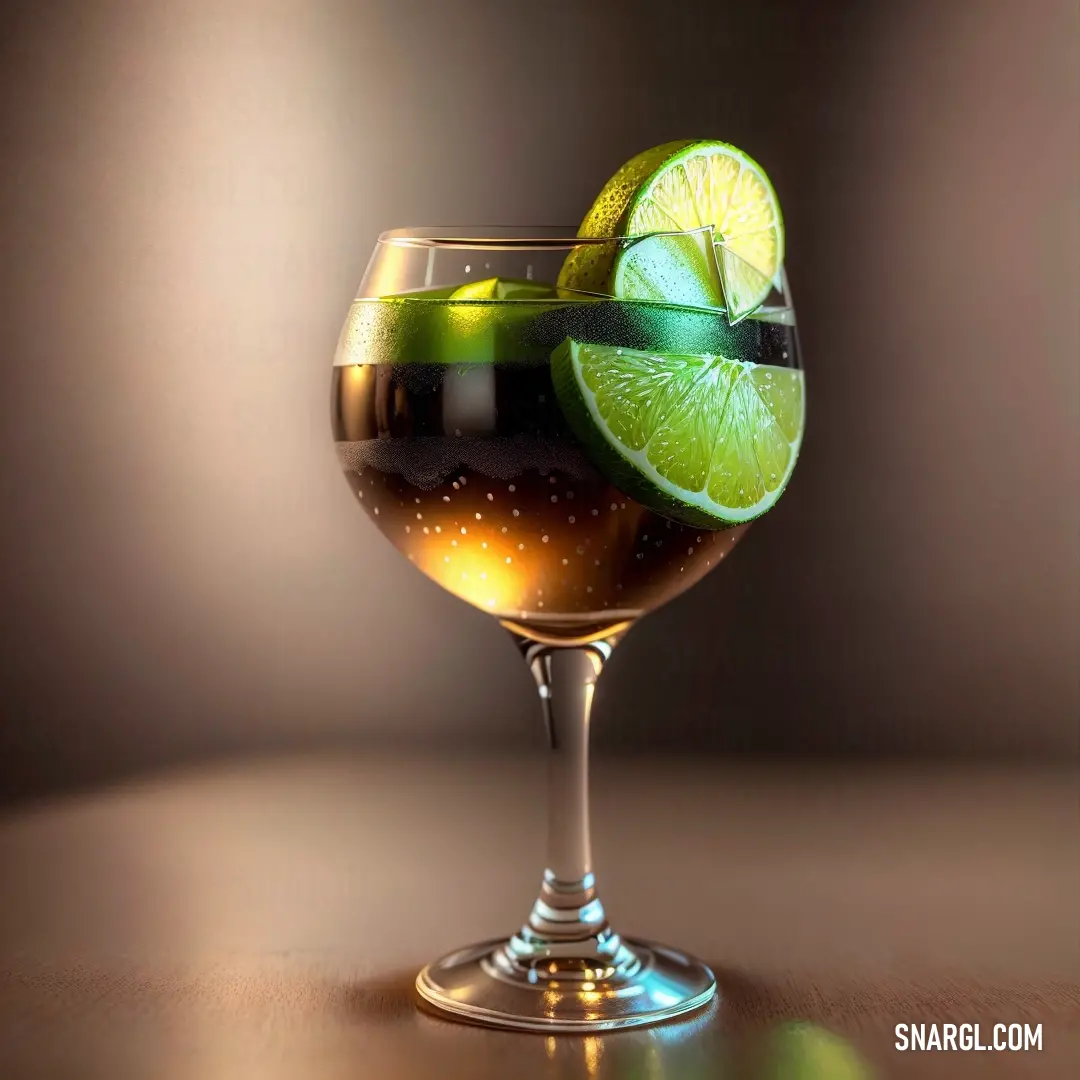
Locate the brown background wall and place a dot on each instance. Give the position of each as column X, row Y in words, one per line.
column 189, row 196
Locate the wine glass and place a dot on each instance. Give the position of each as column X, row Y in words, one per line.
column 450, row 430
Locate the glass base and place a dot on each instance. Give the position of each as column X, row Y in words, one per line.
column 483, row 985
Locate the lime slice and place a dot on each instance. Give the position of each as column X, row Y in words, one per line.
column 699, row 438
column 683, row 186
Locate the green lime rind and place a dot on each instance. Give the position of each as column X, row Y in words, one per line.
column 702, row 439
column 420, row 329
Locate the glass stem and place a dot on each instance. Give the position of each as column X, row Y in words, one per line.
column 567, row 930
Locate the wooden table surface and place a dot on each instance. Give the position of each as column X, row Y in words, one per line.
column 267, row 919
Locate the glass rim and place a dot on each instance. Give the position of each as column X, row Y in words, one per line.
column 494, row 237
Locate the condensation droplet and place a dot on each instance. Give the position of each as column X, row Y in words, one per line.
column 446, row 498
column 571, row 519
column 595, row 513
column 512, row 488
column 554, row 498
column 408, row 528
column 517, row 513
column 491, row 498
column 483, row 544
column 463, row 530
column 544, row 538
column 376, row 511
column 427, row 531
column 477, row 517
column 438, row 528
column 508, row 559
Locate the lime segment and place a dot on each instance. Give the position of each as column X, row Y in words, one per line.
column 700, row 438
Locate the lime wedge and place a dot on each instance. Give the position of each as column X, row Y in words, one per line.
column 473, row 320
column 496, row 288
column 683, row 186
column 699, row 438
